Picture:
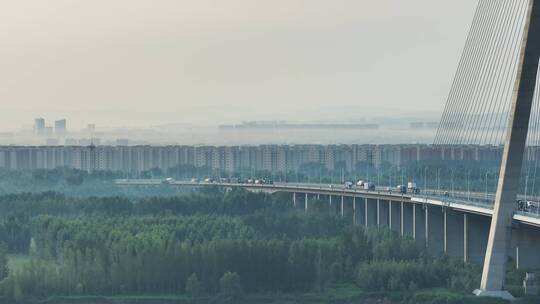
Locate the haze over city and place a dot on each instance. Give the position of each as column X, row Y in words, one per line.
column 270, row 152
column 135, row 64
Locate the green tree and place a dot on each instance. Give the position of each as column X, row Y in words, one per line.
column 230, row 287
column 4, row 270
column 193, row 286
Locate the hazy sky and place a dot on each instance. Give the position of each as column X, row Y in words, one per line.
column 133, row 62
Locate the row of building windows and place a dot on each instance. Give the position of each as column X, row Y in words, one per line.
column 275, row 158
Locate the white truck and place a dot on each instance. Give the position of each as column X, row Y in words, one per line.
column 369, row 186
column 412, row 188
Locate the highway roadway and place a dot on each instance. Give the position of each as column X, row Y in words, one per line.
column 474, row 202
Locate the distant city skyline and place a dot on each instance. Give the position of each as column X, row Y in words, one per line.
column 334, row 115
column 402, row 129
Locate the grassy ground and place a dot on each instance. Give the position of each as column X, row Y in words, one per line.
column 342, row 294
column 335, row 294
column 437, row 296
column 345, row 293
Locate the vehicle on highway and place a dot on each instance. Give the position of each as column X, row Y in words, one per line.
column 401, row 189
column 209, row 180
column 195, row 180
column 413, row 188
column 360, row 183
column 168, row 181
column 522, row 206
column 348, row 185
column 533, row 205
column 528, row 206
column 369, row 186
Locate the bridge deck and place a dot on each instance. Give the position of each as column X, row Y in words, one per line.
column 476, row 203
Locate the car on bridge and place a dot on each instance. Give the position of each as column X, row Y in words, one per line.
column 369, row 186
column 168, row 181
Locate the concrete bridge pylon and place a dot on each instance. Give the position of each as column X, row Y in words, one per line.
column 498, row 247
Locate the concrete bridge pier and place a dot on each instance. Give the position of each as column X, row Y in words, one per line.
column 435, row 228
column 354, row 210
column 477, row 235
column 371, row 213
column 342, row 209
column 420, row 233
column 466, row 237
column 331, row 205
column 382, row 213
column 360, row 211
column 349, row 209
column 306, row 203
column 378, row 213
column 407, row 222
column 294, row 199
column 395, row 216
column 454, row 231
column 366, row 213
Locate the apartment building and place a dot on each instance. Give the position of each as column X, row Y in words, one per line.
column 273, row 158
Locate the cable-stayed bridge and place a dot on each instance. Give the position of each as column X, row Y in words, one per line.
column 494, row 100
